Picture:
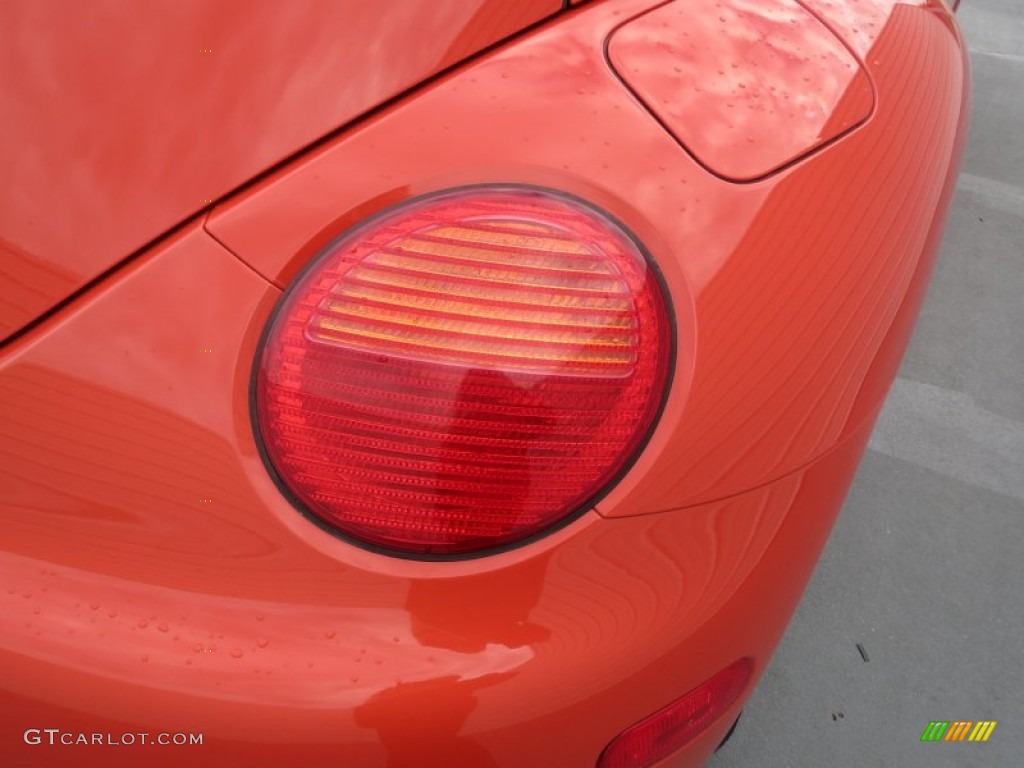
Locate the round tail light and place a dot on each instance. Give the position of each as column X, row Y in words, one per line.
column 463, row 372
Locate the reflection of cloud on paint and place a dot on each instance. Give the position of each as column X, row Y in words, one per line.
column 293, row 655
column 128, row 122
column 718, row 219
column 745, row 86
column 859, row 23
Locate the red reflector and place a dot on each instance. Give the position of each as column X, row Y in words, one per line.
column 669, row 729
column 465, row 371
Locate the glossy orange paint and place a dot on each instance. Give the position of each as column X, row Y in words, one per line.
column 154, row 579
column 120, row 120
column 746, row 87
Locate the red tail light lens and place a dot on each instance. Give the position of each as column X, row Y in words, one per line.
column 669, row 729
column 463, row 372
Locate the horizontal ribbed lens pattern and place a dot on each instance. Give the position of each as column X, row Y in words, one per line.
column 463, row 372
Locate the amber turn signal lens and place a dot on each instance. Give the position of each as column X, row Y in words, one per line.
column 464, row 371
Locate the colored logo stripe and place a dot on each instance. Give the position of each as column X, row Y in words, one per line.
column 982, row 730
column 958, row 730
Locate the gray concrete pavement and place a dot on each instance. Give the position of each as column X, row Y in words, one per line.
column 925, row 568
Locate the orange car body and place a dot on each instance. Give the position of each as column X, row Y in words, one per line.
column 167, row 178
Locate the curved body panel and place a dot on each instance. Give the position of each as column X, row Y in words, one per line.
column 154, row 579
column 162, row 584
